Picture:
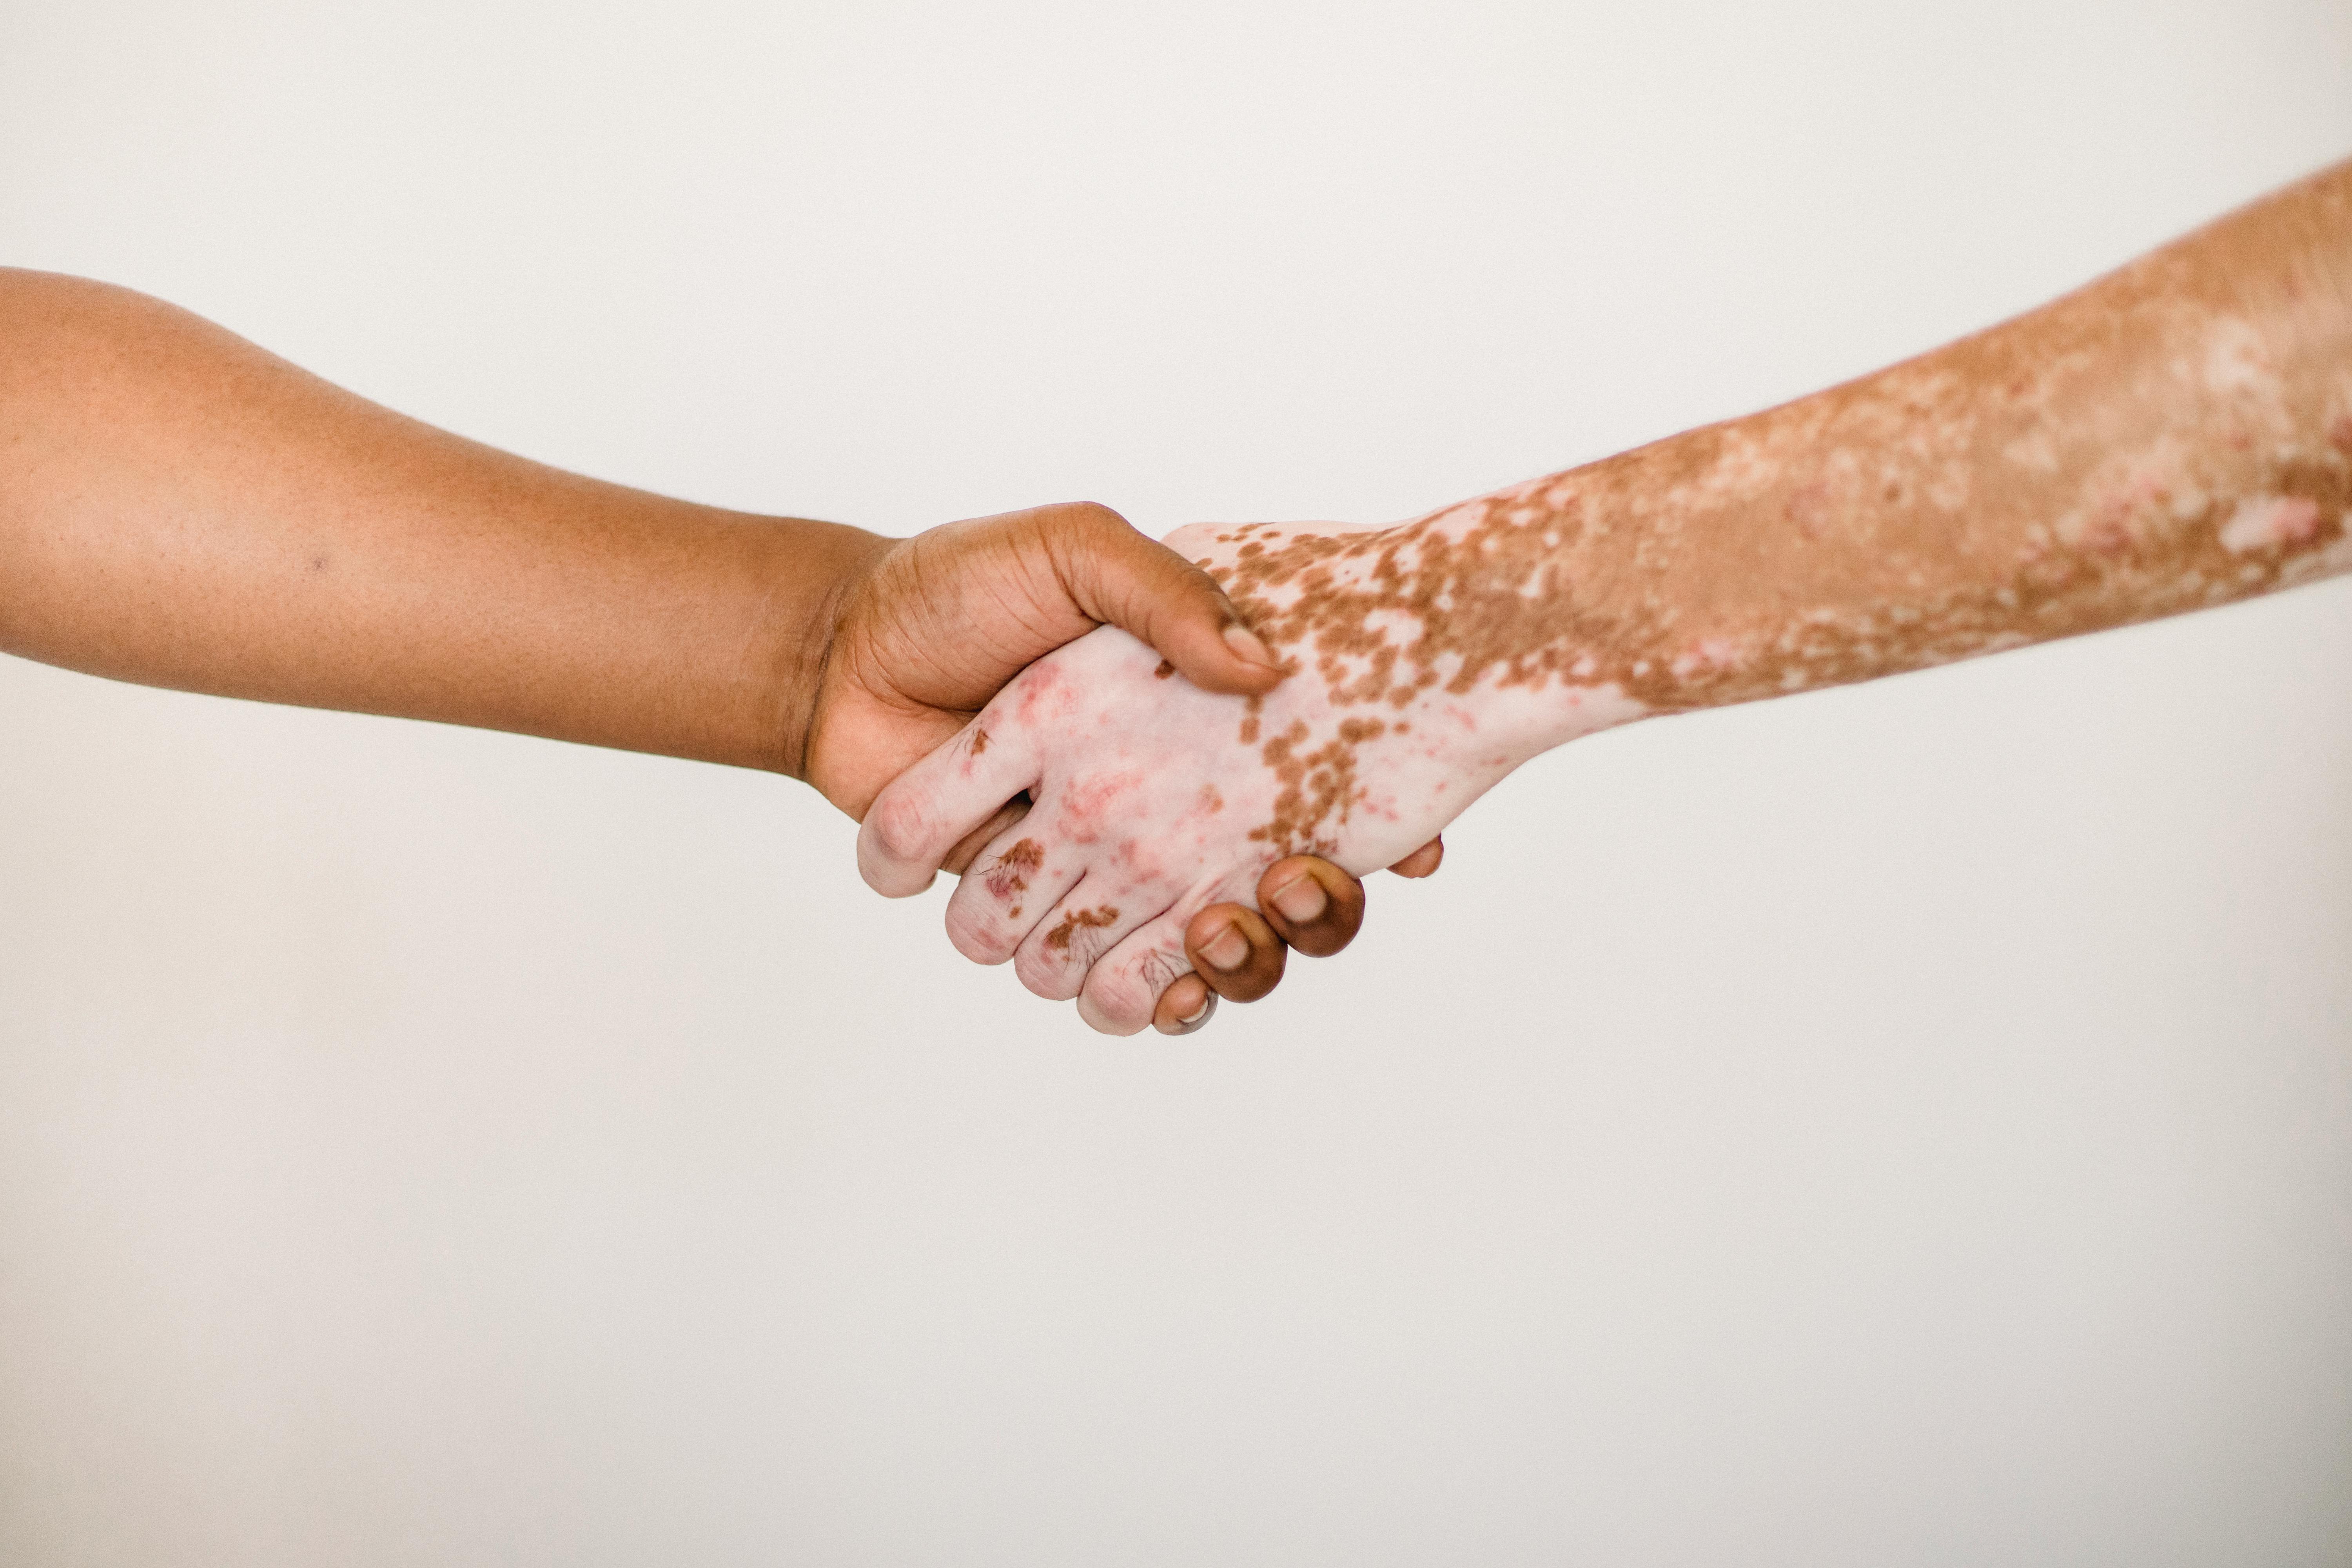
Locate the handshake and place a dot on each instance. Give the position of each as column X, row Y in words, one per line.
column 1085, row 725
column 1158, row 766
column 1275, row 711
column 1155, row 766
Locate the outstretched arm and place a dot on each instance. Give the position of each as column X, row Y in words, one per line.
column 181, row 509
column 2175, row 435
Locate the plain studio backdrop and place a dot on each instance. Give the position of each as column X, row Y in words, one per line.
column 1907, row 1125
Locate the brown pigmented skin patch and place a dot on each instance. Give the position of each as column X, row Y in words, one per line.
column 978, row 741
column 1318, row 786
column 2065, row 472
column 1058, row 939
column 1010, row 875
column 1164, row 672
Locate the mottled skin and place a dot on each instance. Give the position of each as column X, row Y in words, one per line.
column 2176, row 435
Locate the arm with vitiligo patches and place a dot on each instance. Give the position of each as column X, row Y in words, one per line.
column 2176, row 435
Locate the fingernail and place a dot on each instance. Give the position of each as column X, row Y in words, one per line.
column 1301, row 901
column 1246, row 644
column 1227, row 950
column 1197, row 1017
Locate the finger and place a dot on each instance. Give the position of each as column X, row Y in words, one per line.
column 1148, row 591
column 1128, row 986
column 1312, row 904
column 1185, row 1006
column 1052, row 960
column 1014, row 883
column 961, row 857
column 1234, row 950
column 928, row 811
column 1423, row 861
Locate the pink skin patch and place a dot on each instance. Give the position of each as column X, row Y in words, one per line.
column 2271, row 522
column 1155, row 799
column 1707, row 653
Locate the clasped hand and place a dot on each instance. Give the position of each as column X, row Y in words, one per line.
column 1046, row 792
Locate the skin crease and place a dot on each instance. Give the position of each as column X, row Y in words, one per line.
column 182, row 509
column 2175, row 435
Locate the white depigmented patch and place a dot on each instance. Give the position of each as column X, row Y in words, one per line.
column 1284, row 596
column 2269, row 522
column 2235, row 359
column 1528, row 720
column 1455, row 522
column 2032, row 451
column 2069, row 528
column 2328, row 562
column 1950, row 490
column 1397, row 628
column 1707, row 653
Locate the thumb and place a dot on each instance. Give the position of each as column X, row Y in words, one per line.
column 1116, row 576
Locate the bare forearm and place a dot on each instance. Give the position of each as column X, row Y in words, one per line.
column 2175, row 435
column 181, row 509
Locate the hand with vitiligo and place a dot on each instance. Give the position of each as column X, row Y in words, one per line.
column 2176, row 435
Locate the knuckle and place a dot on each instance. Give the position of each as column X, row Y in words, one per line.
column 1087, row 514
column 901, row 825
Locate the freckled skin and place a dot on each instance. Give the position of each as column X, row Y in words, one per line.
column 2176, row 434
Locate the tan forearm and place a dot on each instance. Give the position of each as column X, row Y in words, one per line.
column 181, row 509
column 2176, row 434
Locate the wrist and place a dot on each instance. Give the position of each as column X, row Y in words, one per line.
column 1718, row 566
column 812, row 579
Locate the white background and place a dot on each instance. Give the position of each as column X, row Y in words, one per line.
column 1909, row 1125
